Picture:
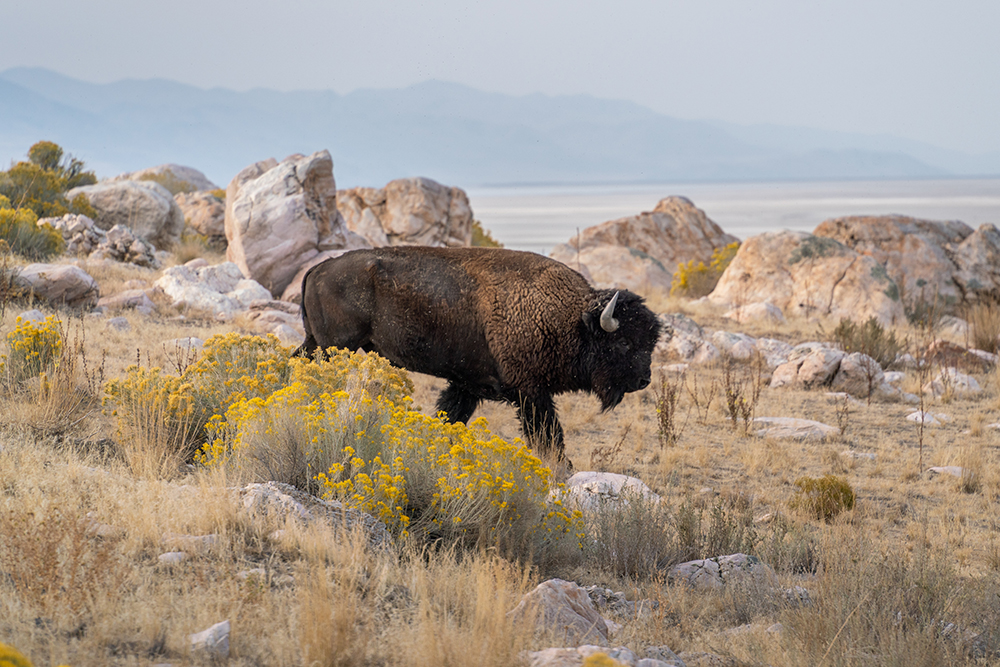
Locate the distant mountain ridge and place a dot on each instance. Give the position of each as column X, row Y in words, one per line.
column 446, row 131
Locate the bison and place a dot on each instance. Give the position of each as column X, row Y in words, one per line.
column 498, row 325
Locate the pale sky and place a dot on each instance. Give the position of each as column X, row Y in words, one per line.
column 923, row 70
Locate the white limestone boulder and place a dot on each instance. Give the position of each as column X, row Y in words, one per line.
column 217, row 290
column 643, row 251
column 590, row 491
column 715, row 573
column 281, row 215
column 409, row 211
column 59, row 284
column 145, row 207
column 808, row 276
column 562, row 608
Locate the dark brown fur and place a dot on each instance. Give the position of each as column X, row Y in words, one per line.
column 497, row 324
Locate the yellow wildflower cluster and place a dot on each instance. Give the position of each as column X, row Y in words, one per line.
column 34, row 349
column 697, row 280
column 232, row 367
column 334, row 404
column 451, row 481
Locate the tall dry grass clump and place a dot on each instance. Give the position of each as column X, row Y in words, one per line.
column 984, row 325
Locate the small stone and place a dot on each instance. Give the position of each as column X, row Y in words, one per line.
column 172, row 557
column 255, row 573
column 198, row 543
column 928, row 418
column 954, row 471
column 118, row 324
column 789, row 428
column 214, row 641
column 851, row 454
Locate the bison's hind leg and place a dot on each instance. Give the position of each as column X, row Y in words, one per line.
column 457, row 403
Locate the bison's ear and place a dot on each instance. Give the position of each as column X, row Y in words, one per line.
column 592, row 316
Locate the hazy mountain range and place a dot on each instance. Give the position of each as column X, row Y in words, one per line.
column 453, row 133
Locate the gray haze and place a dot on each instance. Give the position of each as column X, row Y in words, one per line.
column 919, row 70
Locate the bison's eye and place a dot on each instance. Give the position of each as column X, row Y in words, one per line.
column 623, row 344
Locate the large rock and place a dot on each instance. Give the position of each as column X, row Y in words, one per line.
column 927, row 259
column 643, row 251
column 174, row 177
column 204, row 213
column 283, row 502
column 591, row 491
column 409, row 211
column 218, row 290
column 565, row 610
column 858, row 375
column 145, row 207
column 59, row 284
column 809, row 275
column 281, row 215
column 721, row 571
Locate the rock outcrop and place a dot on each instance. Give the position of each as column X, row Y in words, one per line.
column 564, row 609
column 408, row 211
column 145, row 207
column 281, row 215
column 86, row 239
column 204, row 213
column 927, row 259
column 808, row 275
column 643, row 251
column 174, row 177
column 219, row 290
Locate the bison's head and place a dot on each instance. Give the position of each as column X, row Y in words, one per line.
column 620, row 335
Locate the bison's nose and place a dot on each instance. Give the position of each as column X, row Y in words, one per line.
column 644, row 382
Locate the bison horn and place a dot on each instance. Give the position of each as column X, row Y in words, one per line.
column 608, row 321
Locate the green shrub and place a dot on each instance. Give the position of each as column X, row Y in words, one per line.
column 697, row 280
column 20, row 230
column 33, row 349
column 823, row 497
column 39, row 183
column 482, row 238
column 869, row 338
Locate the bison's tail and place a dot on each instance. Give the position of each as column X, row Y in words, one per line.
column 309, row 345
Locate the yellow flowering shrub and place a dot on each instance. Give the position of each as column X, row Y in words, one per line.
column 342, row 429
column 20, row 230
column 452, row 481
column 232, row 367
column 34, row 349
column 696, row 280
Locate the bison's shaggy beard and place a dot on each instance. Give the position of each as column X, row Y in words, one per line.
column 610, row 396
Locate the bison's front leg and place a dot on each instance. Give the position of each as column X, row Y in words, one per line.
column 457, row 403
column 541, row 426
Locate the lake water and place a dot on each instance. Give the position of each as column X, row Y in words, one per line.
column 539, row 217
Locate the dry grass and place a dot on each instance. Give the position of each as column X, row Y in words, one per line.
column 917, row 552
